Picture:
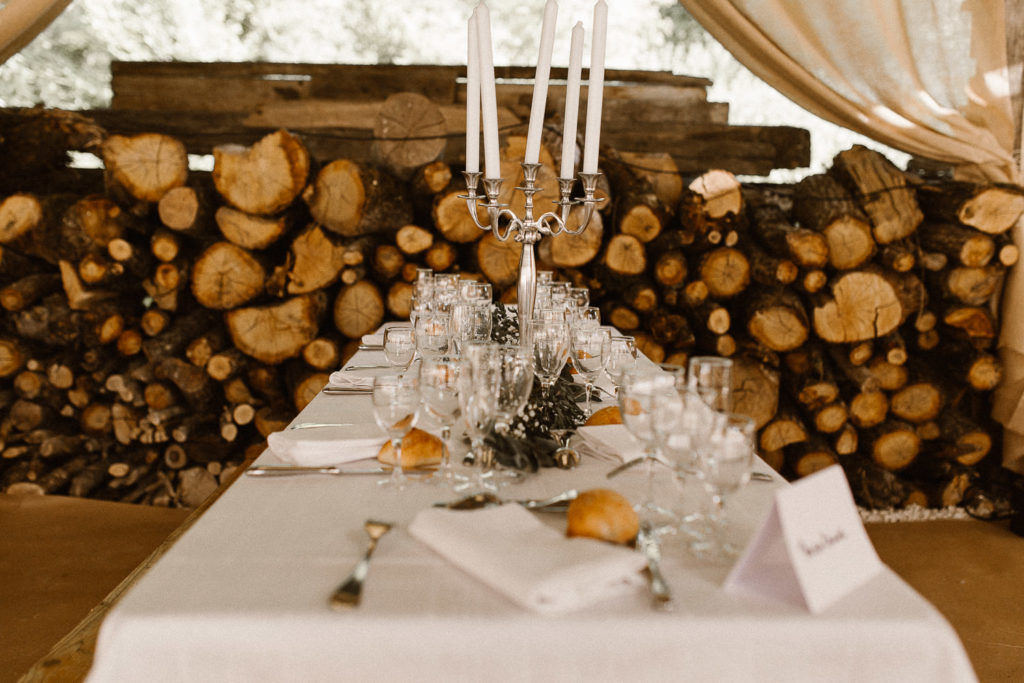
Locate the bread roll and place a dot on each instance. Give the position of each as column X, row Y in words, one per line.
column 602, row 514
column 419, row 449
column 609, row 415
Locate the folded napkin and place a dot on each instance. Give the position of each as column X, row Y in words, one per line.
column 509, row 549
column 326, row 446
column 609, row 442
column 357, row 379
column 373, row 339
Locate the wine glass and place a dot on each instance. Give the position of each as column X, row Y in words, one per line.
column 711, row 378
column 550, row 350
column 433, row 332
column 399, row 345
column 395, row 399
column 650, row 407
column 724, row 466
column 589, row 352
column 515, row 383
column 622, row 354
column 439, row 390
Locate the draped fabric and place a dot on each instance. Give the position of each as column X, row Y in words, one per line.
column 22, row 20
column 929, row 78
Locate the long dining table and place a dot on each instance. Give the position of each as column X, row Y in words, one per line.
column 243, row 596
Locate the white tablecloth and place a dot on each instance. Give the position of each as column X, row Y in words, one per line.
column 242, row 596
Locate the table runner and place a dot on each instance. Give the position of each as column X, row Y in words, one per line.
column 243, row 596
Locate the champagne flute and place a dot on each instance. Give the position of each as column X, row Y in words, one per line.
column 724, row 467
column 478, row 391
column 515, row 384
column 439, row 389
column 399, row 345
column 395, row 400
column 589, row 353
column 550, row 350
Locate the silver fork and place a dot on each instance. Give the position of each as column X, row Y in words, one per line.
column 350, row 592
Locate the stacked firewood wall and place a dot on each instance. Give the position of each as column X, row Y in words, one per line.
column 156, row 331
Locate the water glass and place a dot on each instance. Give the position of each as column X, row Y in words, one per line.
column 589, row 352
column 395, row 400
column 399, row 345
column 724, row 467
column 651, row 408
column 439, row 390
column 433, row 332
column 550, row 350
column 711, row 378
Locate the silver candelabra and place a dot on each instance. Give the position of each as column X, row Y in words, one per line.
column 528, row 229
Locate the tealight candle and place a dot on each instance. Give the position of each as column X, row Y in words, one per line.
column 540, row 83
column 572, row 102
column 595, row 88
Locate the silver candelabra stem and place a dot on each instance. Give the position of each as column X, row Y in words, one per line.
column 528, row 229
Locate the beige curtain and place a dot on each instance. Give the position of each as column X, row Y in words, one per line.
column 22, row 20
column 929, row 77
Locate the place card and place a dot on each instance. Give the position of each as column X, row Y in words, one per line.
column 812, row 549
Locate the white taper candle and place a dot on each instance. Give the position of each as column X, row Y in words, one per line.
column 572, row 102
column 540, row 83
column 488, row 97
column 595, row 88
column 473, row 97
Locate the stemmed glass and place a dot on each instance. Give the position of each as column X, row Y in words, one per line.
column 724, row 466
column 711, row 378
column 589, row 352
column 439, row 389
column 622, row 354
column 471, row 321
column 478, row 400
column 589, row 316
column 433, row 332
column 650, row 407
column 399, row 345
column 550, row 350
column 395, row 400
column 515, row 382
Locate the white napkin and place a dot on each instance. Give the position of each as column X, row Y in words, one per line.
column 356, row 379
column 326, row 446
column 510, row 550
column 609, row 442
column 373, row 339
